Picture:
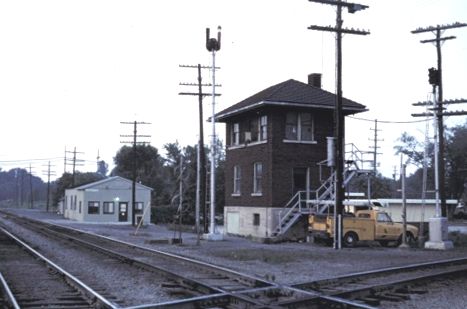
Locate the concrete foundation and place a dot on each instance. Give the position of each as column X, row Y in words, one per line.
column 439, row 235
column 213, row 236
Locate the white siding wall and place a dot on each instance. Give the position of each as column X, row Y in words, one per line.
column 115, row 191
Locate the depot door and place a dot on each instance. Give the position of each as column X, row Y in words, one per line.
column 123, row 212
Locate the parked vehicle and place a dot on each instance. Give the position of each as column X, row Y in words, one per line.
column 369, row 225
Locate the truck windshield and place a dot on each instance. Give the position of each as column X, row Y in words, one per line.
column 383, row 217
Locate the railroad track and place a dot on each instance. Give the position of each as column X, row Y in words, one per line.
column 394, row 284
column 209, row 286
column 47, row 284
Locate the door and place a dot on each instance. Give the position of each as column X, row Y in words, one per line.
column 385, row 228
column 299, row 179
column 233, row 222
column 123, row 211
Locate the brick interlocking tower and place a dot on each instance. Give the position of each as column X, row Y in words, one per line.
column 274, row 139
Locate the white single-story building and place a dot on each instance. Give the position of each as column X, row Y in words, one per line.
column 108, row 200
column 416, row 209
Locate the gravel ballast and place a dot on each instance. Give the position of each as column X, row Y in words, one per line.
column 285, row 263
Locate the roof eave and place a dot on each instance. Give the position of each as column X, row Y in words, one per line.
column 224, row 116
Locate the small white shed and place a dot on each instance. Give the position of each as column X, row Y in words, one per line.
column 108, row 200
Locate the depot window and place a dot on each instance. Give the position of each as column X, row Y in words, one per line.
column 139, row 206
column 93, row 208
column 108, row 208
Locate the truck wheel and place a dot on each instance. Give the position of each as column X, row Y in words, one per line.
column 384, row 243
column 410, row 238
column 350, row 239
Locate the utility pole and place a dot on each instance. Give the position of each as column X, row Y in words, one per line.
column 21, row 188
column 30, row 187
column 73, row 162
column 201, row 156
column 135, row 159
column 180, row 200
column 404, row 206
column 375, row 146
column 48, row 173
column 438, row 30
column 375, row 154
column 213, row 45
column 339, row 125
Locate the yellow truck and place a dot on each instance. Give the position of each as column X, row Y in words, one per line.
column 369, row 225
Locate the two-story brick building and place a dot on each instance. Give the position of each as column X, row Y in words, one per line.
column 275, row 139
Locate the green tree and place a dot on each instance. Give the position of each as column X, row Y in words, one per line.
column 409, row 146
column 66, row 182
column 381, row 187
column 149, row 170
column 456, row 161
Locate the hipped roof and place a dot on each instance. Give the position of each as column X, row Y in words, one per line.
column 291, row 93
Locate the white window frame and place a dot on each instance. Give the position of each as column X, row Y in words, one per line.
column 107, row 211
column 263, row 128
column 237, row 180
column 139, row 207
column 235, row 136
column 94, row 204
column 299, row 128
column 257, row 179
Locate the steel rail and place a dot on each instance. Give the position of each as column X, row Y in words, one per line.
column 456, row 267
column 307, row 297
column 191, row 283
column 253, row 281
column 371, row 273
column 10, row 298
column 207, row 301
column 78, row 284
column 256, row 282
column 391, row 285
column 267, row 286
column 194, row 284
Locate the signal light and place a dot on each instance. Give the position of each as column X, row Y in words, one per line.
column 433, row 76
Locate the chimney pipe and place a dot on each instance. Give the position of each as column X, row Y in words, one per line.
column 314, row 79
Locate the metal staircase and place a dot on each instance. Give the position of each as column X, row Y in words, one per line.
column 319, row 200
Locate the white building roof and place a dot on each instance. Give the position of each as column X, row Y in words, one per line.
column 108, row 180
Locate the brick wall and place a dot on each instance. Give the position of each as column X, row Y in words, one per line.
column 278, row 159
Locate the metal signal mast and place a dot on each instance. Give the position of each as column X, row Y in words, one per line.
column 213, row 45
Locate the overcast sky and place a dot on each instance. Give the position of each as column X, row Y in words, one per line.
column 71, row 71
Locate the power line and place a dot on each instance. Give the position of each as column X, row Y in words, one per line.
column 388, row 121
column 73, row 162
column 29, row 160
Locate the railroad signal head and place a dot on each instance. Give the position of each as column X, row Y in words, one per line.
column 213, row 44
column 433, row 76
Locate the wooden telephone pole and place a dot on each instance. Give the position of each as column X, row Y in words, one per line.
column 436, row 79
column 135, row 159
column 339, row 125
column 201, row 165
